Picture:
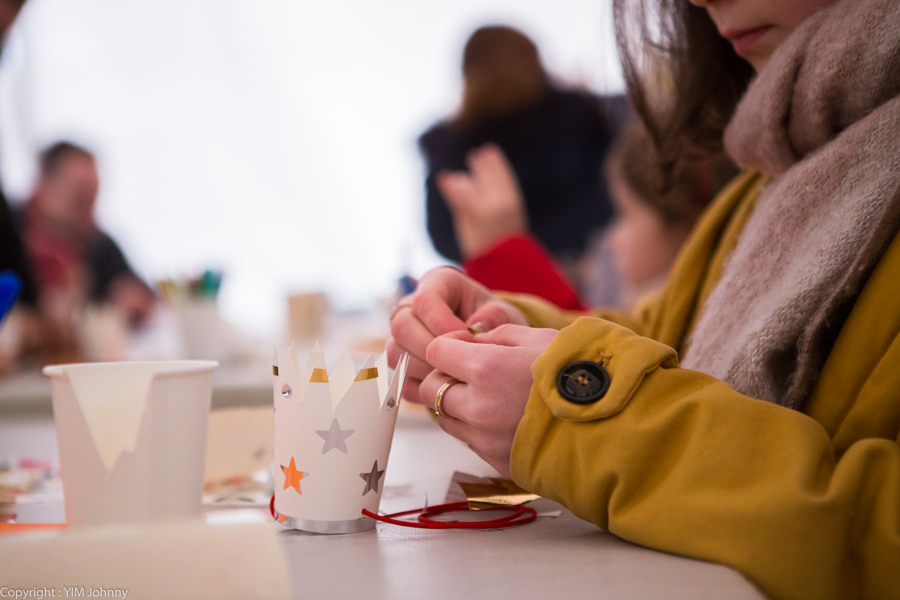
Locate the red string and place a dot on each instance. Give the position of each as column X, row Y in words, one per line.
column 520, row 515
column 424, row 522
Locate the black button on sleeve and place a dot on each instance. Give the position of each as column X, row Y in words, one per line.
column 583, row 382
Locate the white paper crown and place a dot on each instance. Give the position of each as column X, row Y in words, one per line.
column 333, row 433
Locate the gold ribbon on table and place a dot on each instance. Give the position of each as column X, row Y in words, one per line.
column 500, row 492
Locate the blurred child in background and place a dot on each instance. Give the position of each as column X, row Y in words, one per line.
column 653, row 219
column 655, row 213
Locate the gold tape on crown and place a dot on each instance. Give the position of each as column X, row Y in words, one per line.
column 366, row 374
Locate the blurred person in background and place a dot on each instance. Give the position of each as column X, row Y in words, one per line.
column 75, row 263
column 12, row 254
column 655, row 209
column 21, row 330
column 555, row 139
column 655, row 212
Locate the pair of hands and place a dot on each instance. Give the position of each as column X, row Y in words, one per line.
column 493, row 366
column 486, row 202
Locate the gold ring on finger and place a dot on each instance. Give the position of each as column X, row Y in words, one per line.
column 397, row 309
column 440, row 398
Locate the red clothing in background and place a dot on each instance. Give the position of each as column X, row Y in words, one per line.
column 520, row 264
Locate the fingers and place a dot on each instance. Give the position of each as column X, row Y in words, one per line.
column 493, row 314
column 489, row 163
column 479, row 364
column 417, row 367
column 454, row 405
column 457, row 188
column 490, row 315
column 410, row 334
column 433, row 309
column 517, row 335
column 473, row 158
column 485, row 158
column 495, row 154
column 441, row 294
column 486, row 445
column 410, row 390
column 394, row 352
column 460, row 430
column 429, row 387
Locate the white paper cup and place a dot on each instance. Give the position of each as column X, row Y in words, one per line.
column 202, row 329
column 132, row 439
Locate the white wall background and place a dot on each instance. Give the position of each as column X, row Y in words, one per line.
column 272, row 138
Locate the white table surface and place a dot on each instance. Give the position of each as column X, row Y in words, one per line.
column 562, row 557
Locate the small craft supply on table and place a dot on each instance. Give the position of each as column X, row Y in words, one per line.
column 239, row 443
column 204, row 331
column 206, row 286
column 486, row 492
column 306, row 314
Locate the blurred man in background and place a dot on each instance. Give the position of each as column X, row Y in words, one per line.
column 74, row 262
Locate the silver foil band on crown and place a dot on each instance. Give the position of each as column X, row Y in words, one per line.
column 330, row 527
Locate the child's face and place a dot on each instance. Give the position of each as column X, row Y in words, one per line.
column 643, row 244
column 757, row 27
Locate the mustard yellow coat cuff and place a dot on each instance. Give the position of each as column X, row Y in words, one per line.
column 678, row 461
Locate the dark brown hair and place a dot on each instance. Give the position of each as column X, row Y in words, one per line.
column 502, row 72
column 683, row 79
column 52, row 158
column 678, row 195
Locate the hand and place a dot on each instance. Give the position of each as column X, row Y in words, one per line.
column 486, row 202
column 445, row 301
column 133, row 298
column 495, row 370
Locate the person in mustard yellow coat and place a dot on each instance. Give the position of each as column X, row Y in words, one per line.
column 749, row 414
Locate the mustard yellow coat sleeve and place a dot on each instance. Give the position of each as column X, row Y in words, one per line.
column 678, row 461
column 541, row 313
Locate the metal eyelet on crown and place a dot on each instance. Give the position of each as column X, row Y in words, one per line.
column 286, row 391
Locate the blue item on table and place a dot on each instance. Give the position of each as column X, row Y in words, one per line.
column 10, row 284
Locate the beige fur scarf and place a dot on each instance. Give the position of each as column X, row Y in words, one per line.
column 823, row 119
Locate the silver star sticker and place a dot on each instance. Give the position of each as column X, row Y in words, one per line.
column 335, row 437
column 372, row 479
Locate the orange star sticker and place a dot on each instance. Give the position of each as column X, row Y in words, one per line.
column 293, row 477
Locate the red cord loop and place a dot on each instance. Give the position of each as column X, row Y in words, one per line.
column 520, row 515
